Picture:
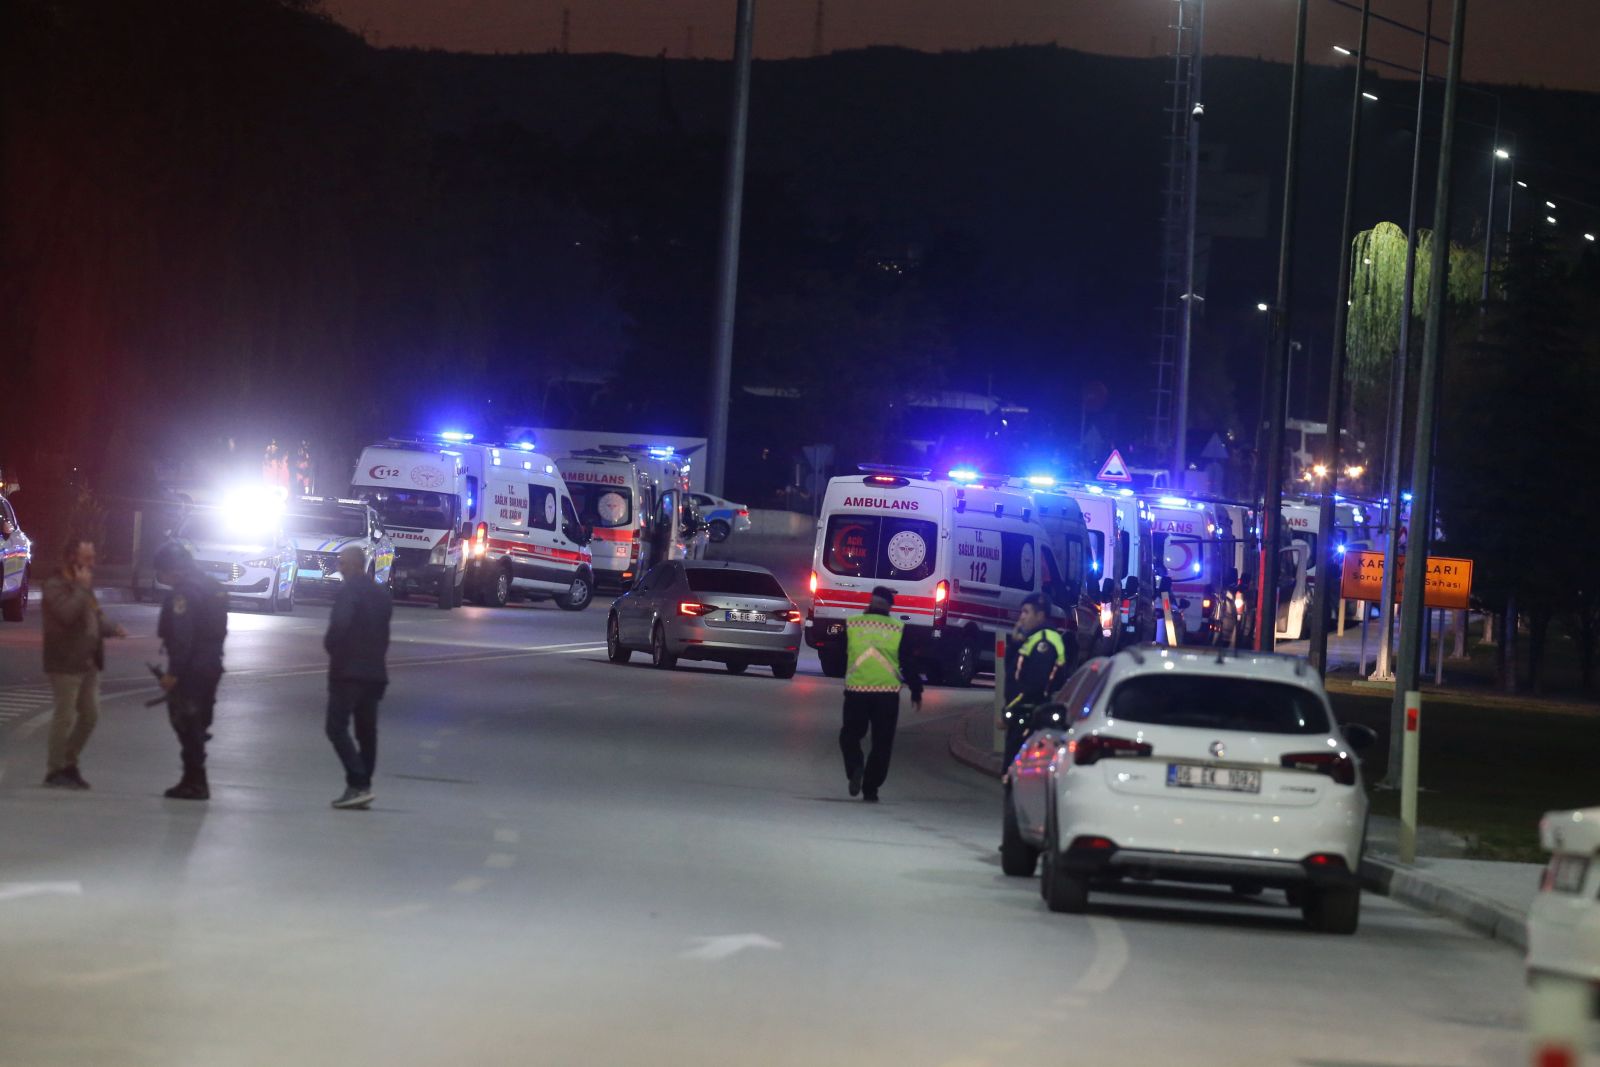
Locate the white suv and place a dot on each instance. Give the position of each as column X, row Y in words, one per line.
column 1192, row 766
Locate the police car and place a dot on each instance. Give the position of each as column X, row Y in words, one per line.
column 15, row 552
column 723, row 518
column 242, row 544
column 322, row 527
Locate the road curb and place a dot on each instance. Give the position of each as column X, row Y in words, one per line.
column 1415, row 888
column 970, row 755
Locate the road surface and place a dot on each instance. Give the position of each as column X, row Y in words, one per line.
column 571, row 862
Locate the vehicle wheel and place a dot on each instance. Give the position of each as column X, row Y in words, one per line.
column 1062, row 892
column 270, row 605
column 832, row 660
column 736, row 666
column 1332, row 910
column 14, row 609
column 497, row 592
column 1246, row 889
column 660, row 658
column 616, row 651
column 1295, row 896
column 578, row 597
column 1017, row 858
column 447, row 593
column 719, row 531
column 785, row 668
column 287, row 607
column 962, row 666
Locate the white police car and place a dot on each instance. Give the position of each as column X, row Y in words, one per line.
column 1193, row 766
column 723, row 518
column 1564, row 919
column 242, row 545
column 15, row 552
column 322, row 527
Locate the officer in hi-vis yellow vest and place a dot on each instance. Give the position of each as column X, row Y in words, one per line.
column 877, row 660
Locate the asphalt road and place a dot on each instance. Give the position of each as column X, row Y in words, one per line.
column 571, row 862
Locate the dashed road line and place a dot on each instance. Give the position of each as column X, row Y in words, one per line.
column 501, row 861
column 469, row 885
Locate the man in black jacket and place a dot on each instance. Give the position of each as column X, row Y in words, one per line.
column 193, row 627
column 357, row 642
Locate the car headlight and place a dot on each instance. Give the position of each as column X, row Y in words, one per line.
column 441, row 553
column 270, row 561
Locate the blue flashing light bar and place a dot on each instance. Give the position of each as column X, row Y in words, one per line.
column 963, row 474
column 455, row 435
column 1341, row 549
column 662, row 451
column 1197, row 568
column 1096, row 490
column 1041, row 481
column 526, row 446
column 1124, row 492
column 1174, row 502
column 1406, row 496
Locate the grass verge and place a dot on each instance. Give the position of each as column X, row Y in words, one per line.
column 1488, row 771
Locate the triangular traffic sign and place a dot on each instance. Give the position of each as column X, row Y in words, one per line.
column 1114, row 470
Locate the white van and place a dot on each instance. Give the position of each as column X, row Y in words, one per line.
column 960, row 557
column 422, row 491
column 610, row 497
column 525, row 539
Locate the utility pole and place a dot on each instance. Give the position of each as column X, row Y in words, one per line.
column 728, row 254
column 1278, row 378
column 1197, row 110
column 1411, row 604
column 1324, row 594
column 1397, row 410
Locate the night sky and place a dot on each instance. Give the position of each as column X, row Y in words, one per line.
column 1548, row 43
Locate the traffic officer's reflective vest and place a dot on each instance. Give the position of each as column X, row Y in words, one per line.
column 1043, row 633
column 872, row 652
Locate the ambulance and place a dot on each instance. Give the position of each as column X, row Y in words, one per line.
column 498, row 521
column 1191, row 545
column 638, row 507
column 960, row 553
column 1355, row 528
column 422, row 491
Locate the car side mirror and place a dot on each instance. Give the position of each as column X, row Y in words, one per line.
column 1183, row 604
column 1359, row 737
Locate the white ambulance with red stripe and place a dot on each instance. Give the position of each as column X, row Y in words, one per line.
column 422, row 490
column 960, row 554
column 638, row 506
column 526, row 539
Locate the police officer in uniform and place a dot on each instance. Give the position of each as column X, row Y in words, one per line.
column 194, row 623
column 877, row 659
column 1036, row 666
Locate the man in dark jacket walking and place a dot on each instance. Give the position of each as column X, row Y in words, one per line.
column 357, row 642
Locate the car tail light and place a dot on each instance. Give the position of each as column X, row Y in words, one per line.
column 1336, row 765
column 1095, row 747
column 813, row 583
column 690, row 607
column 480, row 539
column 941, row 592
column 793, row 615
column 1105, row 619
column 1093, row 844
column 1325, row 861
column 1205, row 605
column 744, row 513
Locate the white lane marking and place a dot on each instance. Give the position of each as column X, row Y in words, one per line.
column 469, row 885
column 401, row 911
column 107, row 975
column 500, row 861
column 507, row 835
column 427, row 759
column 428, row 744
column 18, row 890
column 1110, row 958
column 722, row 946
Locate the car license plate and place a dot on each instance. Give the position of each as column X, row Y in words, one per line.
column 1226, row 779
column 744, row 616
column 1568, row 873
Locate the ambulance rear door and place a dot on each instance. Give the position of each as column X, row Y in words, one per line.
column 890, row 532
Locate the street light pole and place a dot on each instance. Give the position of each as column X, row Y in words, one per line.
column 1180, row 459
column 1272, row 491
column 1496, row 153
column 1411, row 605
column 1322, row 595
column 728, row 255
column 1397, row 397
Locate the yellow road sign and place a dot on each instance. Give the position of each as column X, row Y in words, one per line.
column 1449, row 583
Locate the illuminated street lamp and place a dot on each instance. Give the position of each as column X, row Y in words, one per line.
column 1501, row 153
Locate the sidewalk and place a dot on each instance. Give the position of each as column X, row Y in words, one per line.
column 1488, row 897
